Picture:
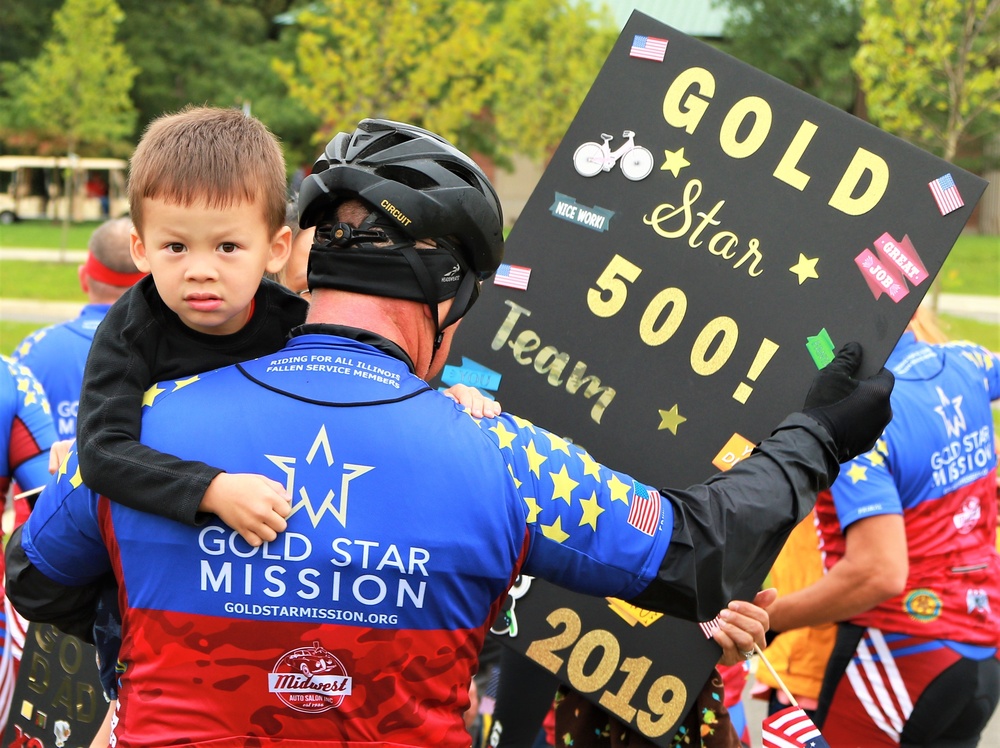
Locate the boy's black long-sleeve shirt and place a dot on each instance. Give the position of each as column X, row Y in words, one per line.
column 142, row 342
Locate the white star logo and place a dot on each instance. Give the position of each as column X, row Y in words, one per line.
column 349, row 472
column 950, row 411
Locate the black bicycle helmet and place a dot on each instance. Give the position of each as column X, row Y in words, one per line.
column 419, row 181
column 418, row 187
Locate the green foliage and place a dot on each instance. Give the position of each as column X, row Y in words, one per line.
column 552, row 53
column 929, row 68
column 808, row 44
column 456, row 67
column 77, row 89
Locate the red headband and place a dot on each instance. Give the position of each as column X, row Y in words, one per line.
column 101, row 272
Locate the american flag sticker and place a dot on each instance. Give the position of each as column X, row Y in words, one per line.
column 512, row 276
column 648, row 48
column 644, row 512
column 946, row 194
column 709, row 627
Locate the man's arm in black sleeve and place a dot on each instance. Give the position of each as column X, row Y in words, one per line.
column 112, row 460
column 72, row 610
column 728, row 531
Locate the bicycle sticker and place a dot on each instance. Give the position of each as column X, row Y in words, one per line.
column 591, row 158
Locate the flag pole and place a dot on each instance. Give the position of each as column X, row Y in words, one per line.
column 777, row 678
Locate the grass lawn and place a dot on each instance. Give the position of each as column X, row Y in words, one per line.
column 46, row 235
column 12, row 333
column 52, row 281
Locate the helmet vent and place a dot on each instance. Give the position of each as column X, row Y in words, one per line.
column 404, row 175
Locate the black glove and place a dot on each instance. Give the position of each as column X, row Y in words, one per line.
column 854, row 412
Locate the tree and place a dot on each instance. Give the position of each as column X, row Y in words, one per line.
column 77, row 90
column 808, row 43
column 457, row 67
column 931, row 68
column 546, row 69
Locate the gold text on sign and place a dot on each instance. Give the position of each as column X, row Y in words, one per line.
column 688, row 98
column 550, row 361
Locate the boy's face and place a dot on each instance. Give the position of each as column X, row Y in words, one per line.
column 207, row 262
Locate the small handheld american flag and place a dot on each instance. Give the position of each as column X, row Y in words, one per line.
column 791, row 728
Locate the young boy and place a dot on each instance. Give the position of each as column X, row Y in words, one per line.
column 207, row 196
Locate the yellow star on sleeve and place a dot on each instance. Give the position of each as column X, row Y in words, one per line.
column 510, row 469
column 875, row 458
column 181, row 383
column 523, row 424
column 533, row 509
column 555, row 531
column 62, row 466
column 591, row 511
column 805, row 268
column 857, row 473
column 151, row 394
column 505, row 437
column 557, row 443
column 77, row 480
column 619, row 490
column 535, row 458
column 590, row 467
column 562, row 485
column 23, row 385
column 30, row 397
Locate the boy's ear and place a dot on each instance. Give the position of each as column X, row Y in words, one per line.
column 281, row 250
column 138, row 251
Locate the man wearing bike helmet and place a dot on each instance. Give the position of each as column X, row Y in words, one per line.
column 362, row 622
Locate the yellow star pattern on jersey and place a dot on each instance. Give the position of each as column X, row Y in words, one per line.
column 619, row 489
column 535, row 458
column 857, row 473
column 149, row 397
column 555, row 531
column 182, row 383
column 591, row 511
column 562, row 485
column 506, row 437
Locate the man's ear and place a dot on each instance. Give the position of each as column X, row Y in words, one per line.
column 281, row 250
column 137, row 249
column 84, row 279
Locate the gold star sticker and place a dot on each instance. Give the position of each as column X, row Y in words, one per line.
column 535, row 458
column 557, row 443
column 77, row 480
column 151, row 394
column 590, row 467
column 533, row 510
column 875, row 458
column 505, row 437
column 562, row 485
column 670, row 419
column 619, row 490
column 591, row 511
column 675, row 161
column 858, row 473
column 510, row 469
column 555, row 531
column 181, row 383
column 805, row 268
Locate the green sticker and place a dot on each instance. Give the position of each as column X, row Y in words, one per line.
column 821, row 348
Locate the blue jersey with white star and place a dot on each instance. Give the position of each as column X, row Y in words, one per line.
column 410, row 521
column 936, row 466
column 56, row 355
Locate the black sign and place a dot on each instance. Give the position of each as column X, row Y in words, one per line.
column 703, row 239
column 58, row 701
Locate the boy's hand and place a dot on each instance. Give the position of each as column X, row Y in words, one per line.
column 478, row 404
column 57, row 453
column 251, row 504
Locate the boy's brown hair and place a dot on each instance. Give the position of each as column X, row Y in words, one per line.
column 218, row 155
